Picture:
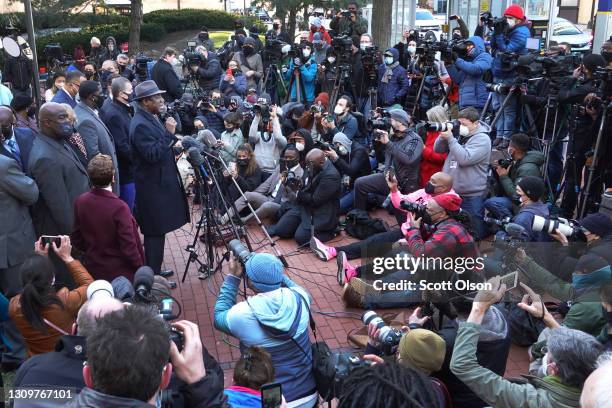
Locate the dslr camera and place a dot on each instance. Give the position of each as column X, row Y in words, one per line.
column 570, row 228
column 505, row 163
column 443, row 127
column 388, row 337
column 417, row 209
column 380, row 119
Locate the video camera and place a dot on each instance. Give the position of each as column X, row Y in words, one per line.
column 54, row 56
column 505, row 163
column 262, row 108
column 497, row 24
column 141, row 64
column 380, row 122
column 343, row 47
column 369, row 63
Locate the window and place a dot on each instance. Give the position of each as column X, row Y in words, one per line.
column 566, row 29
column 424, row 15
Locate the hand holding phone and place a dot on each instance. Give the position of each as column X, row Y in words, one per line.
column 271, row 395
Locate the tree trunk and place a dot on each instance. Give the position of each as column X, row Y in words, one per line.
column 292, row 21
column 306, row 16
column 135, row 23
column 381, row 27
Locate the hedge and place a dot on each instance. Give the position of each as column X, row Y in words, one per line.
column 61, row 20
column 193, row 19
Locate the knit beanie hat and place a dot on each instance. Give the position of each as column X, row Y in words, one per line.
column 448, row 201
column 316, row 22
column 423, row 350
column 592, row 61
column 249, row 41
column 122, row 288
column 265, row 272
column 343, row 140
column 400, row 115
column 590, row 263
column 598, row 224
column 323, row 97
column 533, row 187
column 515, row 11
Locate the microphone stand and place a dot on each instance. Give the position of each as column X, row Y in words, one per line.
column 250, row 207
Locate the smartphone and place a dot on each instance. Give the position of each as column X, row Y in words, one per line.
column 271, row 395
column 511, row 280
column 48, row 239
column 229, row 72
column 391, row 174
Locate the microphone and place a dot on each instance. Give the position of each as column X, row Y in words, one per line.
column 197, row 162
column 514, row 230
column 143, row 282
column 189, row 142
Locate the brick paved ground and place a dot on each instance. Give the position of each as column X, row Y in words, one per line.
column 198, row 296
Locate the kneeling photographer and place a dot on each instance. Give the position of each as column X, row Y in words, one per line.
column 352, row 161
column 523, row 162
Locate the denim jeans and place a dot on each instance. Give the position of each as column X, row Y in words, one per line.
column 475, row 207
column 506, row 124
column 346, row 202
column 499, row 207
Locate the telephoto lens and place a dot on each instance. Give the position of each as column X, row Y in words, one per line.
column 549, row 226
column 387, row 335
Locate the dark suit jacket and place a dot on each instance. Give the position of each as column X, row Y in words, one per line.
column 106, row 231
column 25, row 139
column 61, row 178
column 117, row 118
column 17, row 193
column 161, row 202
column 167, row 80
column 321, row 198
column 62, row 97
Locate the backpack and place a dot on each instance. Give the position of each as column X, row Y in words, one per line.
column 524, row 329
column 360, row 225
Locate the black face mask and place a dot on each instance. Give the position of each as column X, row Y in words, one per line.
column 7, row 132
column 429, row 188
column 291, row 163
column 89, row 75
column 98, row 101
column 516, row 199
column 242, row 162
column 247, row 50
column 203, row 36
column 426, row 218
column 275, row 26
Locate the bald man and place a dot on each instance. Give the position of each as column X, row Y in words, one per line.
column 439, row 183
column 58, row 172
column 317, row 206
column 15, row 143
column 597, row 392
column 63, row 368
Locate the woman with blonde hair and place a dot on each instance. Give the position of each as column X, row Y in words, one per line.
column 432, row 162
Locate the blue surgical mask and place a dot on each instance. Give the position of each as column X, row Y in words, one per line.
column 388, row 60
column 66, row 130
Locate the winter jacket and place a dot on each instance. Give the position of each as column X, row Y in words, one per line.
column 324, row 34
column 238, row 88
column 431, row 162
column 547, row 392
column 342, row 25
column 530, row 165
column 251, row 63
column 347, row 125
column 117, row 117
column 233, row 140
column 209, row 73
column 467, row 161
column 395, row 89
column 267, row 151
column 514, row 41
column 167, row 80
column 356, row 164
column 468, row 75
column 404, row 154
column 308, row 73
column 524, row 218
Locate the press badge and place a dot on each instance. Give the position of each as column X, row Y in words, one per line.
column 453, row 164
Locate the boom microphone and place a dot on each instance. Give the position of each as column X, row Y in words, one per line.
column 194, row 157
column 143, row 282
column 188, row 142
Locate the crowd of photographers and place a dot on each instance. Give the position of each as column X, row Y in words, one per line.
column 464, row 140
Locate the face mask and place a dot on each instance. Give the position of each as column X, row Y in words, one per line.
column 306, row 53
column 516, row 199
column 464, row 131
column 388, row 60
column 7, row 132
column 129, row 97
column 338, row 110
column 174, row 61
column 411, row 50
column 291, row 163
column 275, row 27
column 300, row 147
column 98, row 101
column 429, row 188
column 472, row 51
column 247, row 50
column 510, row 152
column 331, row 60
column 89, row 74
column 242, row 162
column 203, row 36
column 234, row 71
column 111, row 47
column 342, row 150
column 65, row 130
column 427, row 218
column 511, row 22
column 544, row 367
column 364, row 46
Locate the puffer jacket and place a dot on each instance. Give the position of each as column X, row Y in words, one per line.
column 468, row 75
column 395, row 89
column 530, row 165
column 513, row 41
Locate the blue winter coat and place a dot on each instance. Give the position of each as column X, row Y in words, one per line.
column 468, row 75
column 395, row 90
column 238, row 88
column 308, row 73
column 514, row 41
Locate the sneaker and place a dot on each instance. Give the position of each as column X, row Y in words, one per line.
column 345, row 271
column 320, row 249
column 497, row 141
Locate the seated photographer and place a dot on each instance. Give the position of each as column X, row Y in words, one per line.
column 246, row 173
column 41, row 313
column 583, row 311
column 432, row 162
column 343, row 121
column 523, row 163
column 62, row 367
column 135, row 342
column 352, row 160
column 403, row 150
column 468, row 72
column 213, row 111
column 276, row 319
column 571, row 356
column 202, row 129
column 469, row 152
column 233, row 83
column 439, row 183
column 312, row 119
column 267, row 138
column 388, row 385
column 302, row 141
column 231, row 138
column 393, row 81
column 302, row 69
column 282, row 186
column 104, row 228
column 317, row 205
column 252, row 371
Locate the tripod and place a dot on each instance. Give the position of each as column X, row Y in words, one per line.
column 296, row 79
column 570, row 169
column 519, row 87
column 427, row 72
column 343, row 77
column 273, row 77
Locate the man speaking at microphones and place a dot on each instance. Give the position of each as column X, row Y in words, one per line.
column 161, row 202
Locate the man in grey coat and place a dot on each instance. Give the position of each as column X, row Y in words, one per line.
column 95, row 134
column 17, row 193
column 469, row 154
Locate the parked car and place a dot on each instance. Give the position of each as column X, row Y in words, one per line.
column 565, row 31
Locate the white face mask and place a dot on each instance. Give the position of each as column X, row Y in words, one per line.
column 544, row 367
column 331, row 60
column 338, row 110
column 174, row 61
column 300, row 147
column 463, row 130
column 364, row 46
column 511, row 22
column 343, row 150
column 306, row 53
column 388, row 60
column 411, row 50
column 285, row 49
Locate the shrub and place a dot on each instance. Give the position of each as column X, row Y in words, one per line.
column 193, row 19
column 57, row 20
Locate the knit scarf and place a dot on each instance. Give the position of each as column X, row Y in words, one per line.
column 389, row 72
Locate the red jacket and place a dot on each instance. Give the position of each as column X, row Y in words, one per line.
column 324, row 34
column 431, row 162
column 106, row 231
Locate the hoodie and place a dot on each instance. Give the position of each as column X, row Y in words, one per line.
column 468, row 74
column 467, row 161
column 112, row 55
column 394, row 90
